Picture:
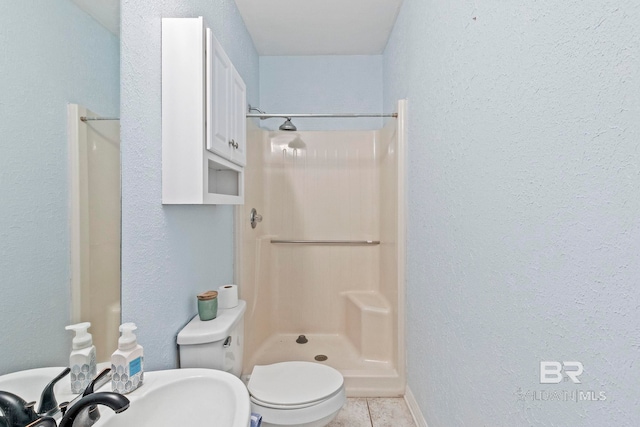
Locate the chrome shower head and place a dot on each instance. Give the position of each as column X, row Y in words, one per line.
column 287, row 125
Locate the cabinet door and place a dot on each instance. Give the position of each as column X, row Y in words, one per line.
column 218, row 98
column 238, row 118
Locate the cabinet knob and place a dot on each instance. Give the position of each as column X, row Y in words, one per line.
column 234, row 144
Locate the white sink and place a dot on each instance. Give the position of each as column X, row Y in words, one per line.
column 30, row 383
column 183, row 397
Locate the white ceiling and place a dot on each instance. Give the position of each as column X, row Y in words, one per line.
column 297, row 27
column 319, row 27
column 106, row 12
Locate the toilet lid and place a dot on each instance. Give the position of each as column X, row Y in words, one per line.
column 293, row 383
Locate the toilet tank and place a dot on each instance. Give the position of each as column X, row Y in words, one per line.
column 214, row 344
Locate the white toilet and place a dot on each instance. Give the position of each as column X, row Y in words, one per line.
column 302, row 394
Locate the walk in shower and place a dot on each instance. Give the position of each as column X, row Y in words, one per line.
column 327, row 260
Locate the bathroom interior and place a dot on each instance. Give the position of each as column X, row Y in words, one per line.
column 489, row 226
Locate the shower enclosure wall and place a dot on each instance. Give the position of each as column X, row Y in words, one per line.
column 347, row 299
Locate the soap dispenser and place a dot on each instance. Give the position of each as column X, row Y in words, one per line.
column 82, row 360
column 127, row 362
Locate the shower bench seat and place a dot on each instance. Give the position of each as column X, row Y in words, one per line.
column 369, row 324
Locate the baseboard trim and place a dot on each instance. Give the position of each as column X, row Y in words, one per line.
column 412, row 403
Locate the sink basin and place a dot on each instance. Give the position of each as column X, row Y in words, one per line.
column 30, row 383
column 183, row 397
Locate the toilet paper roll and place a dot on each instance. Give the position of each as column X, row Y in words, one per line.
column 227, row 296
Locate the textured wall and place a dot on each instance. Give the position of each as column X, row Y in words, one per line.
column 169, row 253
column 322, row 84
column 51, row 54
column 524, row 231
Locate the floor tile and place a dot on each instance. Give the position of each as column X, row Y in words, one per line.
column 390, row 412
column 354, row 414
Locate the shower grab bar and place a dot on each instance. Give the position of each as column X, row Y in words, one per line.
column 319, row 115
column 329, row 242
column 88, row 119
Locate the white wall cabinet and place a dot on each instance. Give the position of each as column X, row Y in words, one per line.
column 203, row 118
column 238, row 118
column 226, row 104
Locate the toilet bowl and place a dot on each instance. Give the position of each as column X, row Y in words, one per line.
column 292, row 393
column 301, row 394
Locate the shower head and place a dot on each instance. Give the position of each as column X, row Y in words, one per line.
column 287, row 125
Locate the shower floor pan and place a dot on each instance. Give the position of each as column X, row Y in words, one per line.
column 363, row 378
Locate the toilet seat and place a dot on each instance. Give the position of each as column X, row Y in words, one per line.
column 293, row 385
column 300, row 406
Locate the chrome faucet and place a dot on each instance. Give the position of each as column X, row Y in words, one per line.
column 115, row 401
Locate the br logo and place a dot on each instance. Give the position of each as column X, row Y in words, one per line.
column 552, row 372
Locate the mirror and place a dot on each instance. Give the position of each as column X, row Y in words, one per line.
column 95, row 217
column 53, row 54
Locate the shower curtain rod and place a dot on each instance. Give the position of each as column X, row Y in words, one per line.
column 315, row 115
column 86, row 119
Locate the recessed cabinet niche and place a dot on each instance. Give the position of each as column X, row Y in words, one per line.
column 203, row 117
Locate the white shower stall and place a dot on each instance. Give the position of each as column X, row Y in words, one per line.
column 327, row 259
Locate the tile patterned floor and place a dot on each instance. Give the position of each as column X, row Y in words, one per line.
column 370, row 412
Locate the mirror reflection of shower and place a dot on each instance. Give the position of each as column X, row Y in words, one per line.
column 94, row 145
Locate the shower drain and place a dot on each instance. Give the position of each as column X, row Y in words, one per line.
column 321, row 358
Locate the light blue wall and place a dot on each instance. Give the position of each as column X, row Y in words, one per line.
column 322, row 84
column 169, row 253
column 524, row 207
column 51, row 54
